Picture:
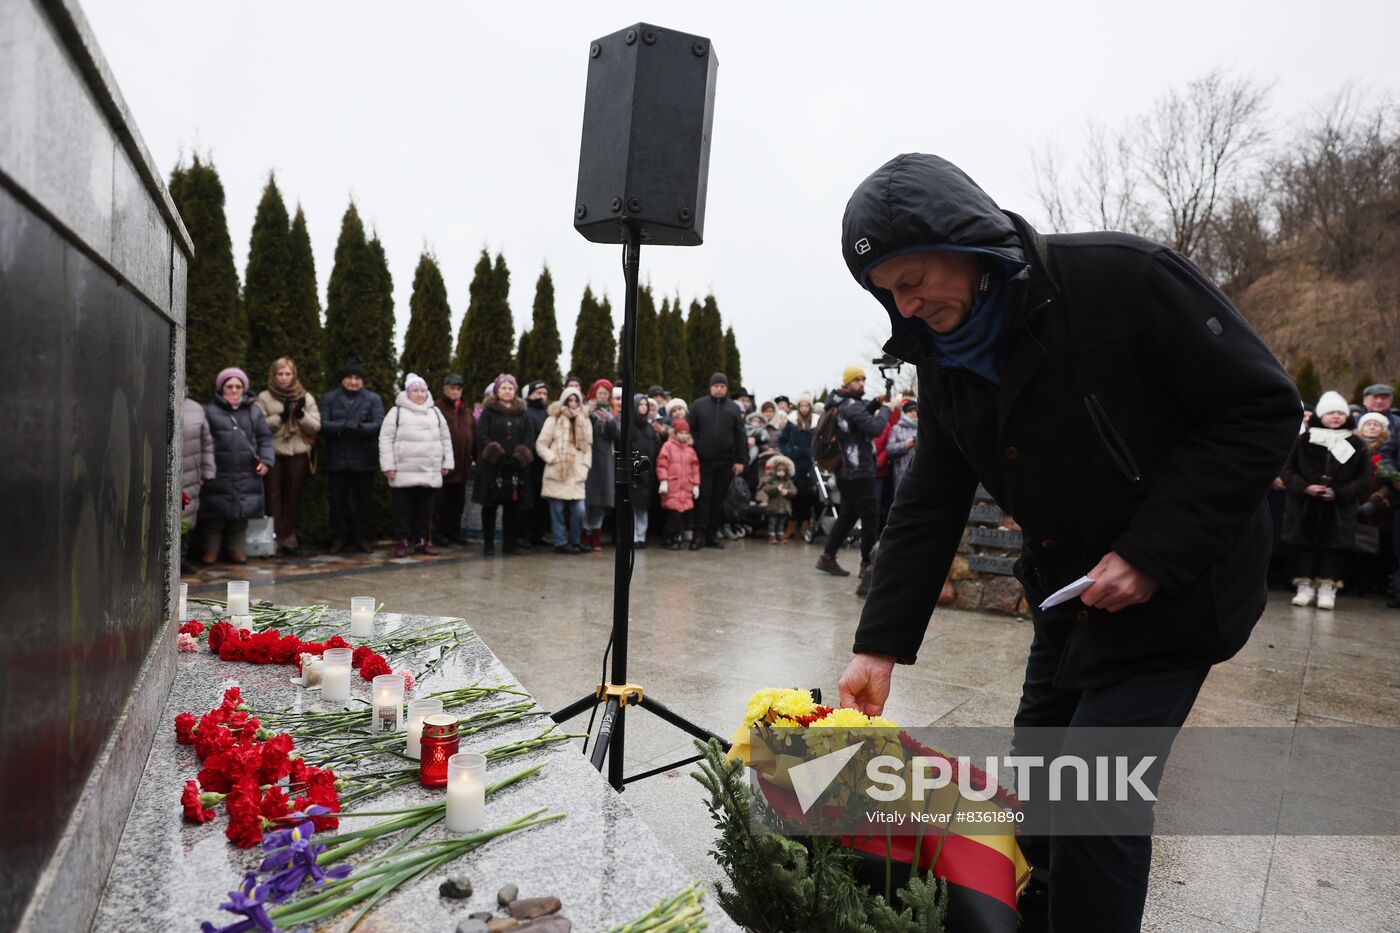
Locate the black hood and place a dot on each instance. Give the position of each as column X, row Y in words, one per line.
column 917, row 202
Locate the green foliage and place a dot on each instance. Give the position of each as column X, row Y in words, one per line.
column 427, row 346
column 1367, row 378
column 1308, row 383
column 356, row 316
column 732, row 364
column 487, row 337
column 305, row 338
column 594, row 352
column 540, row 346
column 675, row 358
column 265, row 283
column 780, row 884
column 650, row 371
column 216, row 328
column 704, row 337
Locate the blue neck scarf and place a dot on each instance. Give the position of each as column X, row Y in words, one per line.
column 972, row 345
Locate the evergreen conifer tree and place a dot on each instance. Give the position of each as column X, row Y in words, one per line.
column 675, row 360
column 355, row 312
column 265, row 294
column 649, row 368
column 594, row 351
column 216, row 327
column 487, row 334
column 306, row 339
column 540, row 346
column 427, row 345
column 1308, row 383
column 383, row 345
column 705, row 340
column 732, row 364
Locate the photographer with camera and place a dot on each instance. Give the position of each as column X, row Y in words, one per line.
column 858, row 423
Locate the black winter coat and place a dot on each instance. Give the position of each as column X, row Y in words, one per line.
column 647, row 443
column 350, row 425
column 505, row 447
column 1312, row 521
column 717, row 425
column 858, row 423
column 1138, row 413
column 795, row 443
column 241, row 438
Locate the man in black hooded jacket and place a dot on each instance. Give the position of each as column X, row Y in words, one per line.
column 1116, row 404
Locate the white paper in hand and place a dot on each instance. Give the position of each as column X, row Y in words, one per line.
column 1065, row 594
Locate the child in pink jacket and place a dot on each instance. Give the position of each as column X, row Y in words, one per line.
column 678, row 478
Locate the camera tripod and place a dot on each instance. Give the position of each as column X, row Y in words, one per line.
column 617, row 693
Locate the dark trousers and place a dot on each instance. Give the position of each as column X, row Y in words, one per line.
column 884, row 498
column 510, row 525
column 538, row 517
column 450, row 502
column 413, row 507
column 677, row 523
column 857, row 502
column 346, row 486
column 709, row 508
column 1096, row 883
column 283, row 489
column 1395, row 565
column 1320, row 563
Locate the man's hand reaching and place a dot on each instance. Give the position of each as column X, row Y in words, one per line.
column 865, row 685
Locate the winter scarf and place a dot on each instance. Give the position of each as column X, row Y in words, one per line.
column 1334, row 440
column 972, row 345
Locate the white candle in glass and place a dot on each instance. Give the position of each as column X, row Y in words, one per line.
column 362, row 617
column 237, row 597
column 466, row 792
column 417, row 710
column 184, row 611
column 310, row 670
column 335, row 675
column 387, row 715
column 243, row 622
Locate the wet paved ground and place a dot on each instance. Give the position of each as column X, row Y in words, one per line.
column 710, row 628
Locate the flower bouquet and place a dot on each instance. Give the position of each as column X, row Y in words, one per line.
column 817, row 772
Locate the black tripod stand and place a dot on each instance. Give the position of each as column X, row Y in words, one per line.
column 617, row 693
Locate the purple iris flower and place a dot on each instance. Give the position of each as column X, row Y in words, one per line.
column 302, row 828
column 296, row 862
column 249, row 900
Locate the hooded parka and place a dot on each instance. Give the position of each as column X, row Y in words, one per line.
column 241, row 439
column 197, row 455
column 1136, row 412
column 565, row 446
column 415, row 444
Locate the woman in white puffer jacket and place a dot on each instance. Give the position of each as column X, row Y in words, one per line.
column 415, row 453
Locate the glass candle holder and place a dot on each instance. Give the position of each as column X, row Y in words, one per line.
column 466, row 793
column 237, row 598
column 418, row 710
column 387, row 690
column 241, row 622
column 439, row 745
column 335, row 675
column 183, row 613
column 362, row 617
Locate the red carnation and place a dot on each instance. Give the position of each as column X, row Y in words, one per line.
column 194, row 811
column 273, row 765
column 211, row 739
column 192, row 627
column 285, row 650
column 359, row 656
column 184, row 728
column 323, row 795
column 337, row 642
column 374, row 666
column 312, row 647
column 233, row 699
column 244, row 816
column 274, row 804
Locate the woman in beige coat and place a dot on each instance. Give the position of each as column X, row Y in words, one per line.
column 565, row 445
column 294, row 420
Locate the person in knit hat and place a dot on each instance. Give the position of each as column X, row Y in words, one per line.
column 1327, row 474
column 505, row 449
column 415, row 453
column 717, row 430
column 678, row 484
column 243, row 454
column 607, row 434
column 350, row 419
column 450, row 500
column 858, row 423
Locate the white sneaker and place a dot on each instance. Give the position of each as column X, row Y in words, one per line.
column 1305, row 593
column 1326, row 594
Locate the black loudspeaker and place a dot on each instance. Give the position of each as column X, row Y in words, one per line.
column 645, row 153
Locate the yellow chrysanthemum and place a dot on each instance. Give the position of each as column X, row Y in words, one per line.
column 842, row 719
column 795, row 703
column 759, row 704
column 883, row 723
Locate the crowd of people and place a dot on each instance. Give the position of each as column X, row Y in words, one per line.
column 539, row 465
column 544, row 465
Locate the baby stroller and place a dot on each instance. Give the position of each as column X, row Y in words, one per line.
column 829, row 498
column 741, row 514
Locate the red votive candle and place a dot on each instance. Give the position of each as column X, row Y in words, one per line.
column 439, row 743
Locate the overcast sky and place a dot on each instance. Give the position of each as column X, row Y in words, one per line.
column 456, row 126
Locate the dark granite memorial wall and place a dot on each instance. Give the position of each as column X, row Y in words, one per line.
column 84, row 375
column 93, row 260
